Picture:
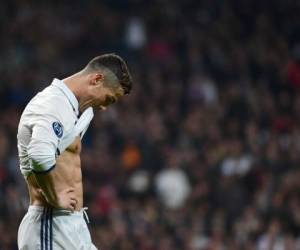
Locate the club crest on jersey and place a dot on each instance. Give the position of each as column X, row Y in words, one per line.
column 58, row 130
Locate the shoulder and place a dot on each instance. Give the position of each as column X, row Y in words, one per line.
column 50, row 104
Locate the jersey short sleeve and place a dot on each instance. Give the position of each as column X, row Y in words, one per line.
column 43, row 126
column 43, row 146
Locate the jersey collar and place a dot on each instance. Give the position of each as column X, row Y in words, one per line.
column 69, row 94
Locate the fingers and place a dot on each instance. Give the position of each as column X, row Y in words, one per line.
column 71, row 198
column 68, row 199
column 72, row 202
column 71, row 205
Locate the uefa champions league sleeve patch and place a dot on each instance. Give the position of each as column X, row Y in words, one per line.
column 58, row 130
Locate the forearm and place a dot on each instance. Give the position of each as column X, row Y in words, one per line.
column 47, row 185
column 54, row 194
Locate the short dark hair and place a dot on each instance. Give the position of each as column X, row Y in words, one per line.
column 117, row 65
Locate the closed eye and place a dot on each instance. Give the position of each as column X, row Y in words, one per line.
column 111, row 99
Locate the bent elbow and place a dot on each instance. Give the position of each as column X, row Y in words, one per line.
column 41, row 158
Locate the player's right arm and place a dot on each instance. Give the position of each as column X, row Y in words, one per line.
column 42, row 152
column 64, row 199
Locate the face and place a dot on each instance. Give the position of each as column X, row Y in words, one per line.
column 108, row 97
column 105, row 92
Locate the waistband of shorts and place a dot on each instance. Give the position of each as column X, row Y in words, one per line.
column 40, row 209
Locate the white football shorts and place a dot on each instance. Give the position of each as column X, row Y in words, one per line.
column 53, row 229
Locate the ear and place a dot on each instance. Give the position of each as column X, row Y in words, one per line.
column 96, row 78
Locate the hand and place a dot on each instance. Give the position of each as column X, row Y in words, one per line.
column 66, row 199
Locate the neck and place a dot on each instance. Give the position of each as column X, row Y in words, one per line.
column 73, row 83
column 76, row 83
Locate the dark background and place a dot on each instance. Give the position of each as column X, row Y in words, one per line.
column 204, row 154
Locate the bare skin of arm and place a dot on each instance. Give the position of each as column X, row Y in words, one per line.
column 62, row 186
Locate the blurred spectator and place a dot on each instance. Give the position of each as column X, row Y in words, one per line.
column 294, row 68
column 135, row 34
column 173, row 187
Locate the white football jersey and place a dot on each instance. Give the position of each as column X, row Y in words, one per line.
column 48, row 125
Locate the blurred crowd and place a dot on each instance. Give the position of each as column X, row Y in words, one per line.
column 205, row 152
